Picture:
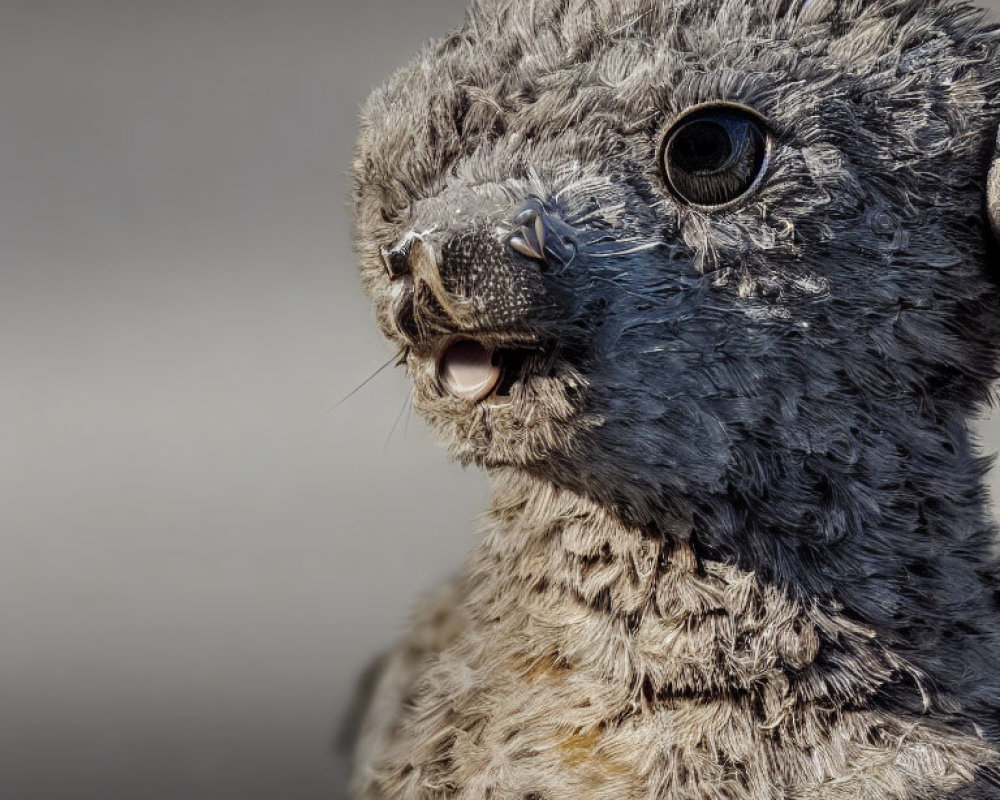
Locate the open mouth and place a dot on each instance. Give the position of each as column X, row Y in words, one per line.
column 472, row 370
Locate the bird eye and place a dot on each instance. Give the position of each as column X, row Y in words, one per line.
column 715, row 155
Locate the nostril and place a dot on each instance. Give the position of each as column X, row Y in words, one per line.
column 529, row 238
column 541, row 237
column 397, row 259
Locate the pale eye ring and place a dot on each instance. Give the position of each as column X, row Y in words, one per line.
column 715, row 155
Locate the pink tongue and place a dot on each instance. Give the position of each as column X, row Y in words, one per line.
column 467, row 370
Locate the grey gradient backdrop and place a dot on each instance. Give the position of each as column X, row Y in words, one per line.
column 197, row 552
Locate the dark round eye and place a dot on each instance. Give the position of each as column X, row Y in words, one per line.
column 715, row 155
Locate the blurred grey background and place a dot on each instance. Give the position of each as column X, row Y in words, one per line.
column 198, row 552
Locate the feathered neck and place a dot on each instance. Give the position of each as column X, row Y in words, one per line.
column 664, row 616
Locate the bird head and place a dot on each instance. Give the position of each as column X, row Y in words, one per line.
column 664, row 252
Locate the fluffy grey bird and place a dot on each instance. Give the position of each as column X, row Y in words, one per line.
column 709, row 288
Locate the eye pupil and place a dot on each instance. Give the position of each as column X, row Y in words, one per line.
column 714, row 156
column 702, row 146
